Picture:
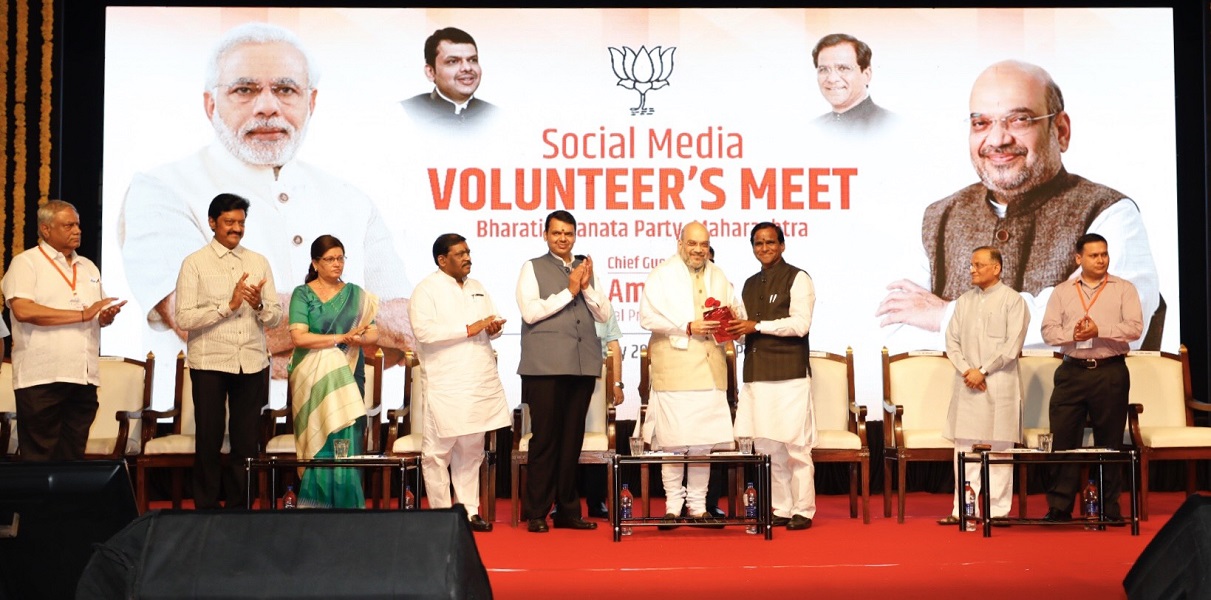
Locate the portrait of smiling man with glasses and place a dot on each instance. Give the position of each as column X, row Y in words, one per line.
column 259, row 94
column 1027, row 206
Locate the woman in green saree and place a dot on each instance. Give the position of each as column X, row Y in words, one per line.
column 330, row 321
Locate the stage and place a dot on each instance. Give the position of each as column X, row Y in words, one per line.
column 838, row 557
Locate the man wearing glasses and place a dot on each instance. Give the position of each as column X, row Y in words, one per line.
column 983, row 340
column 1026, row 205
column 259, row 95
column 843, row 73
column 687, row 411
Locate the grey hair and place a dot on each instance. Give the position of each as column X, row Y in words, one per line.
column 256, row 33
column 47, row 212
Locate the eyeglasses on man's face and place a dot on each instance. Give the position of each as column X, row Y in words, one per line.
column 245, row 91
column 1012, row 122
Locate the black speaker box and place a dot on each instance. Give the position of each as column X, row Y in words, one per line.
column 290, row 554
column 51, row 515
column 1177, row 562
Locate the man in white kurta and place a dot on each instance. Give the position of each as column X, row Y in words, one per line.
column 455, row 320
column 687, row 409
column 983, row 341
column 775, row 406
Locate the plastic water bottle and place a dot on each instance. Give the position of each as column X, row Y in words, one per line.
column 969, row 505
column 290, row 499
column 750, row 506
column 625, row 503
column 409, row 499
column 1089, row 502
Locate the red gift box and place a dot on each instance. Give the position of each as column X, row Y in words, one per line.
column 723, row 314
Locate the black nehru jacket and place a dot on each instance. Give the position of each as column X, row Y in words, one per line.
column 767, row 297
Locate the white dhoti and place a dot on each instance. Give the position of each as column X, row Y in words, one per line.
column 690, row 422
column 446, row 460
column 779, row 416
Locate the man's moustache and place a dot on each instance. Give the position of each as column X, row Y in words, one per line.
column 1015, row 150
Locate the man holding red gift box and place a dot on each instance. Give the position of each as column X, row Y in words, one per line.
column 775, row 406
column 682, row 306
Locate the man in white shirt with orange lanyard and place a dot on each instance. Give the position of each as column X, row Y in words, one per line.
column 1093, row 319
column 58, row 310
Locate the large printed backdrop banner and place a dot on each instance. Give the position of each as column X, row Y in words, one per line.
column 637, row 121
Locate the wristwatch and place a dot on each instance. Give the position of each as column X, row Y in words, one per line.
column 619, row 385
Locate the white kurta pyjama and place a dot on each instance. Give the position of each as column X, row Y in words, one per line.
column 986, row 332
column 463, row 394
column 779, row 415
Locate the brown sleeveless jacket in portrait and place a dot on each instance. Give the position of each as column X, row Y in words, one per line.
column 1036, row 235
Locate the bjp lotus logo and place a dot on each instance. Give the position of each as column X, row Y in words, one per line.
column 642, row 71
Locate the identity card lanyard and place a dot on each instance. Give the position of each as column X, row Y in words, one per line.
column 75, row 298
column 1080, row 294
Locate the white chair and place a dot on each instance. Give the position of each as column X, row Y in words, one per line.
column 916, row 396
column 841, row 423
column 175, row 450
column 125, row 390
column 1036, row 369
column 1161, row 416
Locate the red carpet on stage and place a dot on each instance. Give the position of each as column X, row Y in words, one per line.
column 838, row 557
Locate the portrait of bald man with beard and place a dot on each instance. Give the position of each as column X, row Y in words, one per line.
column 260, row 93
column 1028, row 206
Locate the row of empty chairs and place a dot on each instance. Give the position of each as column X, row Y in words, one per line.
column 916, row 395
column 1160, row 417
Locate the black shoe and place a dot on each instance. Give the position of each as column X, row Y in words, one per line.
column 779, row 521
column 1115, row 521
column 949, row 521
column 574, row 523
column 598, row 510
column 669, row 518
column 799, row 522
column 1055, row 515
column 537, row 526
column 479, row 524
column 709, row 521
